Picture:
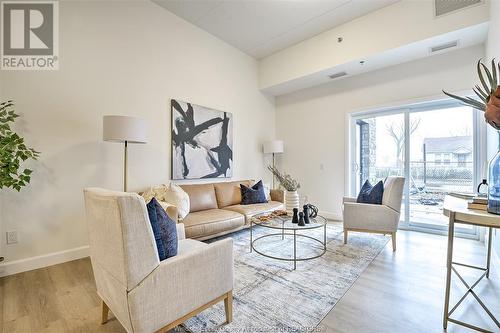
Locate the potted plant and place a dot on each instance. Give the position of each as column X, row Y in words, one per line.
column 13, row 152
column 489, row 102
column 290, row 185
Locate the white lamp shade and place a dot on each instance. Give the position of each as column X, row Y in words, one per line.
column 124, row 128
column 275, row 146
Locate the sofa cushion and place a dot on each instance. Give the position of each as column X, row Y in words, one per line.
column 229, row 193
column 211, row 222
column 250, row 210
column 201, row 196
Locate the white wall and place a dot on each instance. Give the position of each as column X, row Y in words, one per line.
column 391, row 27
column 312, row 122
column 493, row 51
column 129, row 58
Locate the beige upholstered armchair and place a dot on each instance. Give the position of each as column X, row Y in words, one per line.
column 382, row 219
column 144, row 294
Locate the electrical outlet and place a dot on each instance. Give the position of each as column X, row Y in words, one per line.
column 12, row 237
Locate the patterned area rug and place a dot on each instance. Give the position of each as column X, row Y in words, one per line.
column 269, row 296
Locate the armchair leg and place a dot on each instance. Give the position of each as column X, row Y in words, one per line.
column 105, row 312
column 393, row 241
column 345, row 236
column 228, row 306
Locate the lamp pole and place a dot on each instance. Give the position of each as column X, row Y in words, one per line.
column 125, row 161
column 274, row 166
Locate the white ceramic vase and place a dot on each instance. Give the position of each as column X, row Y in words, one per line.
column 291, row 201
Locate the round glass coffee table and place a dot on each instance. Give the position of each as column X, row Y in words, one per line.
column 283, row 226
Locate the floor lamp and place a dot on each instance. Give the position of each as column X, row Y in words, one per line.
column 274, row 147
column 124, row 129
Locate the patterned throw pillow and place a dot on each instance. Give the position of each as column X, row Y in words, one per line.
column 253, row 195
column 170, row 194
column 371, row 194
column 164, row 230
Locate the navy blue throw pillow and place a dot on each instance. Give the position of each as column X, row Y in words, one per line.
column 164, row 230
column 254, row 194
column 371, row 194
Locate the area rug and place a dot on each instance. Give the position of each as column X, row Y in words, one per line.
column 269, row 296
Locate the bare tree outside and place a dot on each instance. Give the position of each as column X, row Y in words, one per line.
column 396, row 130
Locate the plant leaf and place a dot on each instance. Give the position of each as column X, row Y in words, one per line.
column 468, row 101
column 485, row 95
column 490, row 78
column 481, row 97
column 481, row 77
column 494, row 71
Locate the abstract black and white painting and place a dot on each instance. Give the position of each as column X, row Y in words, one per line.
column 202, row 142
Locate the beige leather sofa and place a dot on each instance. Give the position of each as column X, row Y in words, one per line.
column 216, row 208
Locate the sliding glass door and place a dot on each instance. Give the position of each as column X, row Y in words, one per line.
column 432, row 146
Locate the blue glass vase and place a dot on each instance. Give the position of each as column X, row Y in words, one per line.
column 494, row 184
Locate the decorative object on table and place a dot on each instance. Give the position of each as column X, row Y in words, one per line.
column 301, row 219
column 306, row 214
column 124, row 129
column 371, row 194
column 14, row 151
column 295, row 218
column 494, row 182
column 202, row 142
column 313, row 210
column 290, row 185
column 489, row 102
column 253, row 195
column 273, row 147
column 478, row 202
column 482, row 188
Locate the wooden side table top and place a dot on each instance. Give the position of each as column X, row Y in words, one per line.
column 469, row 216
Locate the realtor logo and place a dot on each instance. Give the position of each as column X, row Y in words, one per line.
column 29, row 35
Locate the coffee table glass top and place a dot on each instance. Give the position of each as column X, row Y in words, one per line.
column 285, row 222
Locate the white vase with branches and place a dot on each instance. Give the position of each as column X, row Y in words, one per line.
column 291, row 186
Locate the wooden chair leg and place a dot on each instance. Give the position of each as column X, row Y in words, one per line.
column 105, row 312
column 393, row 241
column 228, row 305
column 345, row 236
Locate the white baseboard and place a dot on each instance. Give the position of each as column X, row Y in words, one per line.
column 331, row 216
column 28, row 264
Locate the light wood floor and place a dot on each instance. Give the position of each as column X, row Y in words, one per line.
column 398, row 292
column 403, row 291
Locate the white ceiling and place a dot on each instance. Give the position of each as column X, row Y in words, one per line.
column 263, row 27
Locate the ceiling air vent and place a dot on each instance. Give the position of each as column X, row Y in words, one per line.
column 445, row 46
column 337, row 75
column 443, row 7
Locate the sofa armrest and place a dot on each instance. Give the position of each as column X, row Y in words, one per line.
column 370, row 217
column 181, row 284
column 278, row 195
